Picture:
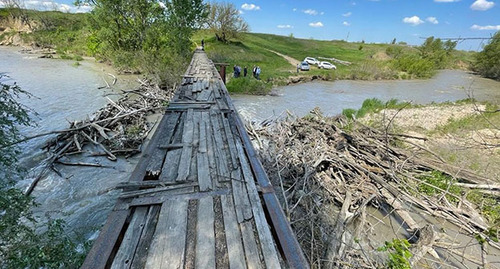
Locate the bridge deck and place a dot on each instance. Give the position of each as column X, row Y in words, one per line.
column 199, row 197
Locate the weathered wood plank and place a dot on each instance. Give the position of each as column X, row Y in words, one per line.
column 180, row 194
column 126, row 252
column 168, row 247
column 266, row 240
column 187, row 138
column 103, row 246
column 204, row 95
column 183, row 107
column 193, row 170
column 251, row 248
column 211, row 153
column 204, row 178
column 141, row 254
column 233, row 236
column 230, row 142
column 220, row 154
column 170, row 167
column 158, row 155
column 205, row 235
column 240, row 195
column 165, row 189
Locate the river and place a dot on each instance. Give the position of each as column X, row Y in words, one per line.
column 333, row 97
column 84, row 196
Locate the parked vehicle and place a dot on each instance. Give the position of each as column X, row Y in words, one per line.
column 311, row 60
column 304, row 66
column 327, row 65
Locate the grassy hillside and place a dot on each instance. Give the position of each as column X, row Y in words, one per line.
column 369, row 61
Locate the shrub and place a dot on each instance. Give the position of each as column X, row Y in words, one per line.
column 248, row 85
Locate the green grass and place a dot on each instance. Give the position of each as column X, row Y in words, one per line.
column 374, row 105
column 471, row 123
column 248, row 85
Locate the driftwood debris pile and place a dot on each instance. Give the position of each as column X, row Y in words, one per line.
column 117, row 129
column 347, row 192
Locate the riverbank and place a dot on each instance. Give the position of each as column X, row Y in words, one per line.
column 379, row 186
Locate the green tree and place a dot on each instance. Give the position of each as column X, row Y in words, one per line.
column 145, row 35
column 20, row 245
column 487, row 62
column 225, row 21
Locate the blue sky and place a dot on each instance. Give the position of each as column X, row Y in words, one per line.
column 356, row 20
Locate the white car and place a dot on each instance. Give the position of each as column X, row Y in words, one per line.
column 311, row 60
column 304, row 66
column 326, row 65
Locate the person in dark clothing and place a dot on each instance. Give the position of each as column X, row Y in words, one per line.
column 245, row 71
column 235, row 71
column 254, row 71
column 203, row 44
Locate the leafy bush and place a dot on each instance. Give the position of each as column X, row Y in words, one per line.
column 248, row 85
column 399, row 253
column 488, row 60
column 442, row 181
column 415, row 66
column 373, row 105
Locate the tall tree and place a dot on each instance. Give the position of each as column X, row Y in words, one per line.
column 225, row 21
column 488, row 60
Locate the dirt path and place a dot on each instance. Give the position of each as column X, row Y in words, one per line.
column 289, row 59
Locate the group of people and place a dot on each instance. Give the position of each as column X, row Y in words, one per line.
column 255, row 71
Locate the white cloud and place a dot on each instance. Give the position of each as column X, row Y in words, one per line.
column 482, row 5
column 294, row 9
column 51, row 5
column 347, row 14
column 246, row 6
column 285, row 26
column 346, row 23
column 316, row 24
column 311, row 12
column 415, row 20
column 432, row 20
column 446, row 1
column 486, row 27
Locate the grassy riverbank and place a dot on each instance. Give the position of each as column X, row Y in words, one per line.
column 368, row 61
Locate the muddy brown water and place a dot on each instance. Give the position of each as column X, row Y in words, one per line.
column 333, row 97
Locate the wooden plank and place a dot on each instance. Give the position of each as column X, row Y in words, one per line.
column 266, row 239
column 183, row 107
column 168, row 246
column 230, row 142
column 103, row 246
column 192, row 219
column 216, row 89
column 141, row 254
column 233, row 235
column 205, row 234
column 204, row 95
column 156, row 160
column 126, row 252
column 170, row 167
column 171, row 164
column 193, row 170
column 204, row 178
column 221, row 157
column 211, row 153
column 132, row 194
column 180, row 194
column 187, row 138
column 251, row 248
column 241, row 201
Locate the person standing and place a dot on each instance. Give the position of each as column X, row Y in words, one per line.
column 203, row 44
column 257, row 72
column 245, row 71
column 235, row 71
column 254, row 71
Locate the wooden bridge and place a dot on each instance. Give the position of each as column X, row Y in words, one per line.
column 199, row 197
